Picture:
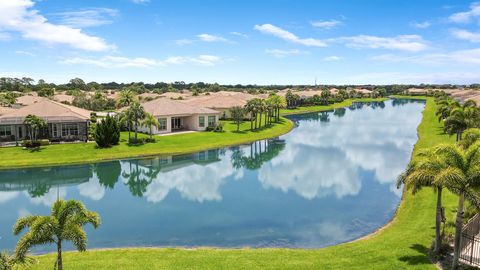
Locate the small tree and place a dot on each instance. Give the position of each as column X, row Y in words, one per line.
column 237, row 113
column 138, row 113
column 150, row 121
column 34, row 124
column 10, row 262
column 64, row 224
column 107, row 132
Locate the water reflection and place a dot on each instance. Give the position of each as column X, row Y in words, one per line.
column 329, row 180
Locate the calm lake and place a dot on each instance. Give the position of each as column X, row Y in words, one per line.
column 332, row 179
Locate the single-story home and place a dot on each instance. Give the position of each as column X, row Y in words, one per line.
column 178, row 116
column 27, row 100
column 220, row 103
column 64, row 123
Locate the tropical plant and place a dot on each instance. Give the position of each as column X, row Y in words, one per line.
column 65, row 223
column 126, row 120
column 462, row 118
column 138, row 113
column 10, row 262
column 461, row 177
column 34, row 124
column 444, row 107
column 251, row 109
column 427, row 170
column 126, row 97
column 237, row 113
column 470, row 136
column 150, row 121
column 107, row 132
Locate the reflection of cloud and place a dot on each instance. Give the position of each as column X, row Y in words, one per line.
column 50, row 197
column 311, row 172
column 92, row 189
column 194, row 182
column 7, row 196
column 317, row 162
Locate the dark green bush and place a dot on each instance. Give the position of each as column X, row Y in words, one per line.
column 107, row 132
column 138, row 141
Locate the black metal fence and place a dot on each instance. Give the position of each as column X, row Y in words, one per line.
column 470, row 243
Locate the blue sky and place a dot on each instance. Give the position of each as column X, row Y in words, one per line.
column 230, row 42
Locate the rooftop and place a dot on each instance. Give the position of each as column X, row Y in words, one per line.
column 166, row 107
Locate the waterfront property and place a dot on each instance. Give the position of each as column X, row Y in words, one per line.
column 63, row 122
column 240, row 196
column 219, row 102
column 177, row 116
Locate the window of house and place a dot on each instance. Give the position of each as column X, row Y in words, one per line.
column 69, row 130
column 211, row 121
column 201, row 121
column 5, row 130
column 163, row 123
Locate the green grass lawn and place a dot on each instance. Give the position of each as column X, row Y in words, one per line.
column 403, row 244
column 318, row 108
column 14, row 157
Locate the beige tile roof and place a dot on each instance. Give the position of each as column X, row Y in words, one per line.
column 217, row 101
column 167, row 107
column 363, row 91
column 176, row 95
column 5, row 110
column 148, row 95
column 50, row 111
column 465, row 94
column 29, row 100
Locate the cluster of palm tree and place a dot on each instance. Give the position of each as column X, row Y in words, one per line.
column 134, row 115
column 457, row 117
column 266, row 110
column 455, row 168
column 34, row 125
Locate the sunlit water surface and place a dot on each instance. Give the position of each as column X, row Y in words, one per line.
column 332, row 179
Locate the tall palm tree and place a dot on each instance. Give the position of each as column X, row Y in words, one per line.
column 150, row 121
column 126, row 119
column 462, row 118
column 251, row 109
column 444, row 107
column 65, row 223
column 261, row 107
column 427, row 170
column 138, row 113
column 470, row 136
column 461, row 177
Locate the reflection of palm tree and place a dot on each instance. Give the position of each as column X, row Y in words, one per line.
column 38, row 190
column 340, row 112
column 108, row 173
column 258, row 156
column 136, row 185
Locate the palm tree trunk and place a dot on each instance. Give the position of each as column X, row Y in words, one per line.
column 59, row 255
column 260, row 124
column 129, row 128
column 251, row 122
column 151, row 132
column 438, row 221
column 458, row 232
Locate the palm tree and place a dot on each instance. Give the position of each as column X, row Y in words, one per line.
column 444, row 107
column 126, row 119
column 251, row 109
column 126, row 97
column 261, row 107
column 138, row 112
column 150, row 121
column 10, row 262
column 34, row 124
column 65, row 223
column 237, row 113
column 461, row 177
column 427, row 170
column 462, row 118
column 470, row 136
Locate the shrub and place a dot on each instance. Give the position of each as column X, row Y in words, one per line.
column 107, row 132
column 150, row 140
column 34, row 144
column 216, row 128
column 138, row 141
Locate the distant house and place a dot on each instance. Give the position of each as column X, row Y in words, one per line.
column 64, row 123
column 176, row 116
column 221, row 103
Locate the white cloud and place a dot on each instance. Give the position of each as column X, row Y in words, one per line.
column 421, row 25
column 211, row 38
column 283, row 53
column 275, row 31
column 87, row 17
column 466, row 35
column 471, row 56
column 20, row 16
column 326, row 24
column 239, row 34
column 92, row 189
column 332, row 58
column 467, row 16
column 25, row 53
column 184, row 41
column 411, row 43
column 140, row 62
column 7, row 196
column 112, row 62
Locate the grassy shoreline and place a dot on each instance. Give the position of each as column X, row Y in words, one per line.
column 402, row 244
column 81, row 153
